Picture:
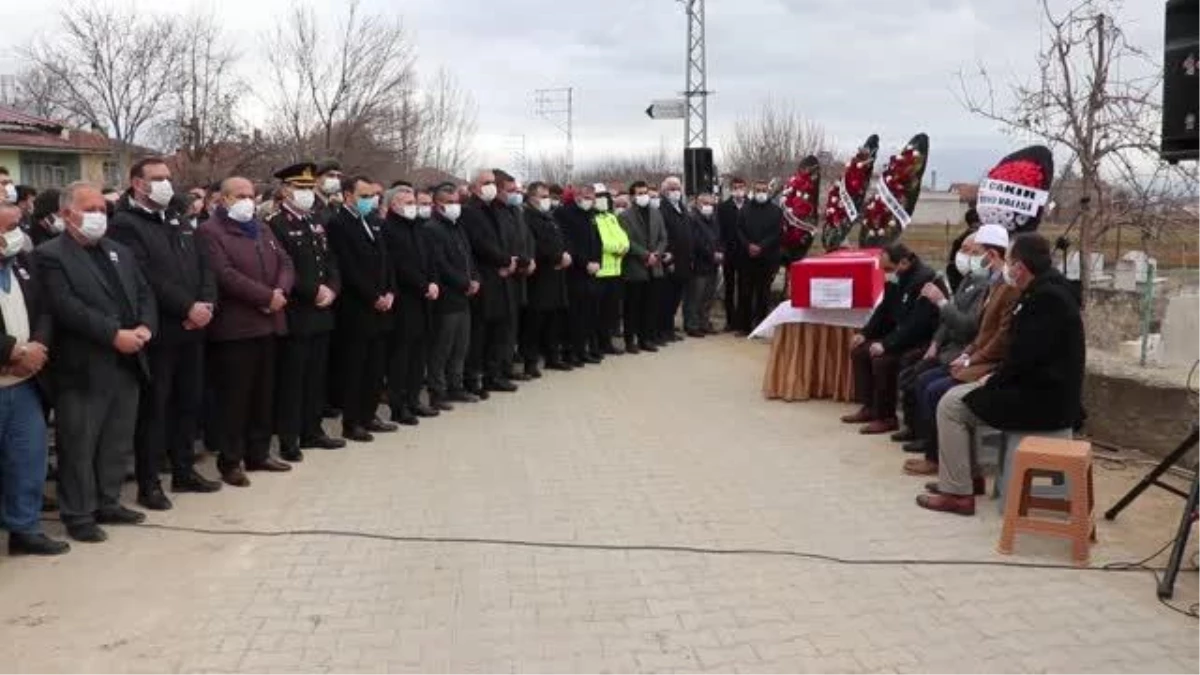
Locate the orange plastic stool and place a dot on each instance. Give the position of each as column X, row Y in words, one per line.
column 1046, row 457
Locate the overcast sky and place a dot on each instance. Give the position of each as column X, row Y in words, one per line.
column 855, row 66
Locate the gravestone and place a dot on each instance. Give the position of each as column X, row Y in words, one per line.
column 1181, row 330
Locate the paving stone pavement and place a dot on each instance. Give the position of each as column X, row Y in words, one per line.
column 676, row 448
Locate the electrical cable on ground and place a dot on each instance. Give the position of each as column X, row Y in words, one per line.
column 1139, row 566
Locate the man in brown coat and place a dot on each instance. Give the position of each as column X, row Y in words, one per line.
column 254, row 276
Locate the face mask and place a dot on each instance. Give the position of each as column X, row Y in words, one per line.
column 10, row 192
column 642, row 200
column 14, row 241
column 304, row 199
column 586, row 204
column 408, row 212
column 365, row 205
column 962, row 263
column 161, row 192
column 515, row 199
column 93, row 226
column 706, row 210
column 425, row 212
column 655, row 202
column 891, row 277
column 452, row 211
column 761, row 197
column 602, row 204
column 544, row 205
column 620, row 209
column 57, row 225
column 488, row 192
column 242, row 210
column 739, row 194
column 1008, row 276
column 554, row 203
column 674, row 196
column 331, row 186
column 977, row 264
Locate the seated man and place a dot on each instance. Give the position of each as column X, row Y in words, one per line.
column 1036, row 387
column 958, row 321
column 978, row 359
column 896, row 335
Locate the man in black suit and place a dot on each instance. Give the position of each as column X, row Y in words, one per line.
column 582, row 240
column 104, row 316
column 733, row 263
column 458, row 282
column 364, row 309
column 758, row 231
column 301, row 376
column 25, row 332
column 483, row 219
column 186, row 291
column 678, row 268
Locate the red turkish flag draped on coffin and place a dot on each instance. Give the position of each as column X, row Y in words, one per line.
column 845, row 279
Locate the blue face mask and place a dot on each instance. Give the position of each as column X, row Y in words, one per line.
column 515, row 198
column 365, row 205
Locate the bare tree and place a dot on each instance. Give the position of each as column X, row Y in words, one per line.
column 109, row 67
column 771, row 142
column 337, row 81
column 551, row 168
column 37, row 94
column 447, row 124
column 1077, row 101
column 651, row 167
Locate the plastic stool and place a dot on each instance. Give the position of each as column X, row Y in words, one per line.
column 1037, row 456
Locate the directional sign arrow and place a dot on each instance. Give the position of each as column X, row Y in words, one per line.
column 668, row 109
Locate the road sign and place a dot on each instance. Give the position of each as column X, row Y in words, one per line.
column 667, row 109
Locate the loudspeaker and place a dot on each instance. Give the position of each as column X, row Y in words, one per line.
column 698, row 172
column 1180, row 116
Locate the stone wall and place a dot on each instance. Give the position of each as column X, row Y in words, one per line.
column 1146, row 409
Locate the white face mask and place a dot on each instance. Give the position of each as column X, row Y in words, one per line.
column 674, row 196
column 14, row 241
column 488, row 192
column 10, row 193
column 554, row 203
column 706, row 210
column 655, row 202
column 602, row 204
column 57, row 225
column 1008, row 276
column 331, row 186
column 642, row 200
column 962, row 263
column 761, row 197
column 161, row 192
column 544, row 205
column 242, row 210
column 425, row 212
column 452, row 212
column 408, row 212
column 892, row 277
column 304, row 199
column 586, row 204
column 93, row 226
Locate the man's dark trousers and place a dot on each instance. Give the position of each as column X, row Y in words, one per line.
column 302, row 386
column 169, row 410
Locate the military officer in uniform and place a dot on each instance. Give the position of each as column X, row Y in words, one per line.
column 303, row 354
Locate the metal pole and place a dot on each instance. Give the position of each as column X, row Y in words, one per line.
column 1147, row 308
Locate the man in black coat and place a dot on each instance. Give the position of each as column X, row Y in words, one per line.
column 186, row 292
column 514, row 233
column 707, row 256
column 728, row 214
column 545, row 314
column 953, row 276
column 410, row 251
column 486, row 223
column 679, row 257
column 364, row 310
column 1037, row 386
column 104, row 316
column 896, row 335
column 458, row 281
column 582, row 241
column 25, row 334
column 759, row 227
column 303, row 356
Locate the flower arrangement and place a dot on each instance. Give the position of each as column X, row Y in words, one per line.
column 890, row 208
column 1016, row 191
column 843, row 203
column 800, row 209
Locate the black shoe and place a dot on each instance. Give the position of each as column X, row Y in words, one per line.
column 919, row 445
column 405, row 417
column 648, row 347
column 35, row 544
column 501, row 386
column 532, row 371
column 357, row 434
column 608, row 349
column 194, row 482
column 632, row 348
column 480, row 392
column 378, row 426
column 560, row 365
column 422, row 410
column 154, row 499
column 593, row 359
column 119, row 515
column 904, row 436
column 465, row 396
column 87, row 532
column 270, row 465
column 292, row 455
column 696, row 334
column 322, row 442
column 440, row 404
column 519, row 377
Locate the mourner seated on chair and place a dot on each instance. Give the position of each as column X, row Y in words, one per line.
column 896, row 335
column 1036, row 387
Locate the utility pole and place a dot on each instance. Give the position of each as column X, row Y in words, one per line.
column 695, row 124
column 557, row 106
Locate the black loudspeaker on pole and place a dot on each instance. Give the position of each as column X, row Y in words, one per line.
column 1181, row 62
column 698, row 172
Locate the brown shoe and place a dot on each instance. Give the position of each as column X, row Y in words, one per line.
column 920, row 467
column 880, row 427
column 863, row 415
column 978, row 486
column 235, row 477
column 957, row 504
column 269, row 464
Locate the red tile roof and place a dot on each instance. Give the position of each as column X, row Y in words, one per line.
column 18, row 130
column 16, row 117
